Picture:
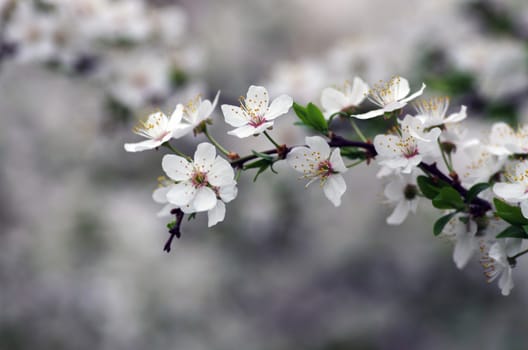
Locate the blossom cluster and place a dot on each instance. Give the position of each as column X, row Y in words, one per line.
column 134, row 49
column 479, row 184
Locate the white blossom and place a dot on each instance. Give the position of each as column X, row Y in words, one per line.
column 432, row 112
column 194, row 112
column 337, row 99
column 254, row 115
column 158, row 129
column 404, row 151
column 402, row 193
column 204, row 184
column 503, row 140
column 462, row 231
column 318, row 162
column 516, row 189
column 496, row 262
column 389, row 96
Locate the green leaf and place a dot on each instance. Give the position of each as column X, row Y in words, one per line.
column 257, row 164
column 448, row 198
column 509, row 213
column 429, row 187
column 316, row 118
column 263, row 156
column 261, row 170
column 353, row 153
column 440, row 223
column 475, row 190
column 301, row 112
column 513, row 232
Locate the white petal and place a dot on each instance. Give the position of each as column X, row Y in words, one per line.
column 176, row 167
column 318, row 144
column 506, row 281
column 297, row 160
column 263, row 127
column 464, row 249
column 387, row 145
column 281, row 105
column 205, row 199
column 176, row 117
column 371, row 114
column 234, row 115
column 333, row 100
column 399, row 214
column 359, row 92
column 509, row 191
column 165, row 211
column 457, row 117
column 242, row 132
column 257, row 99
column 206, row 108
column 160, row 194
column 400, row 88
column 334, row 188
column 142, row 146
column 181, row 130
column 415, row 95
column 337, row 162
column 217, row 214
column 394, row 190
column 204, row 156
column 524, row 208
column 221, row 173
column 181, row 194
column 229, row 192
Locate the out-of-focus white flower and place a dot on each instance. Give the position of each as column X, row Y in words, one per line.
column 402, row 192
column 496, row 262
column 389, row 96
column 503, row 140
column 158, row 129
column 432, row 112
column 516, row 189
column 32, row 32
column 204, row 184
column 125, row 20
column 318, row 162
column 336, row 99
column 195, row 112
column 254, row 116
column 407, row 149
column 169, row 24
column 139, row 78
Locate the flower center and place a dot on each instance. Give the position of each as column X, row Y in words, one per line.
column 256, row 120
column 324, row 169
column 255, row 114
column 384, row 93
column 153, row 128
column 199, row 179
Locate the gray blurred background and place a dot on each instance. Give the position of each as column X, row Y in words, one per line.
column 81, row 262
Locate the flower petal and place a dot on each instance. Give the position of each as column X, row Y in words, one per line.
column 217, row 214
column 509, row 191
column 165, row 211
column 221, row 173
column 358, row 93
column 281, row 105
column 176, row 167
column 399, row 214
column 337, row 162
column 257, row 99
column 205, row 199
column 181, row 194
column 298, row 159
column 369, row 115
column 142, row 146
column 206, row 108
column 333, row 100
column 160, row 194
column 176, row 117
column 204, row 156
column 400, row 88
column 457, row 117
column 319, row 145
column 334, row 188
column 234, row 115
column 415, row 95
column 229, row 192
column 243, row 131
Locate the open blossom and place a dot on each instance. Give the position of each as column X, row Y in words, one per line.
column 389, row 97
column 194, row 112
column 254, row 115
column 158, row 129
column 335, row 100
column 404, row 151
column 506, row 141
column 204, row 184
column 160, row 196
column 432, row 112
column 496, row 262
column 516, row 189
column 402, row 192
column 318, row 162
column 462, row 231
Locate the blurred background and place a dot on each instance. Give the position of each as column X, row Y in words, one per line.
column 81, row 262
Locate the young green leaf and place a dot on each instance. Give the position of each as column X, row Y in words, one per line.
column 513, row 232
column 509, row 213
column 316, row 118
column 448, row 198
column 441, row 222
column 475, row 190
column 429, row 187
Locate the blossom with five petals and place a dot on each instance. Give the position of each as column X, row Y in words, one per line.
column 335, row 100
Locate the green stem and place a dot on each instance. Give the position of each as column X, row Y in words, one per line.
column 214, row 142
column 237, row 176
column 271, row 139
column 355, row 163
column 173, row 149
column 358, row 131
